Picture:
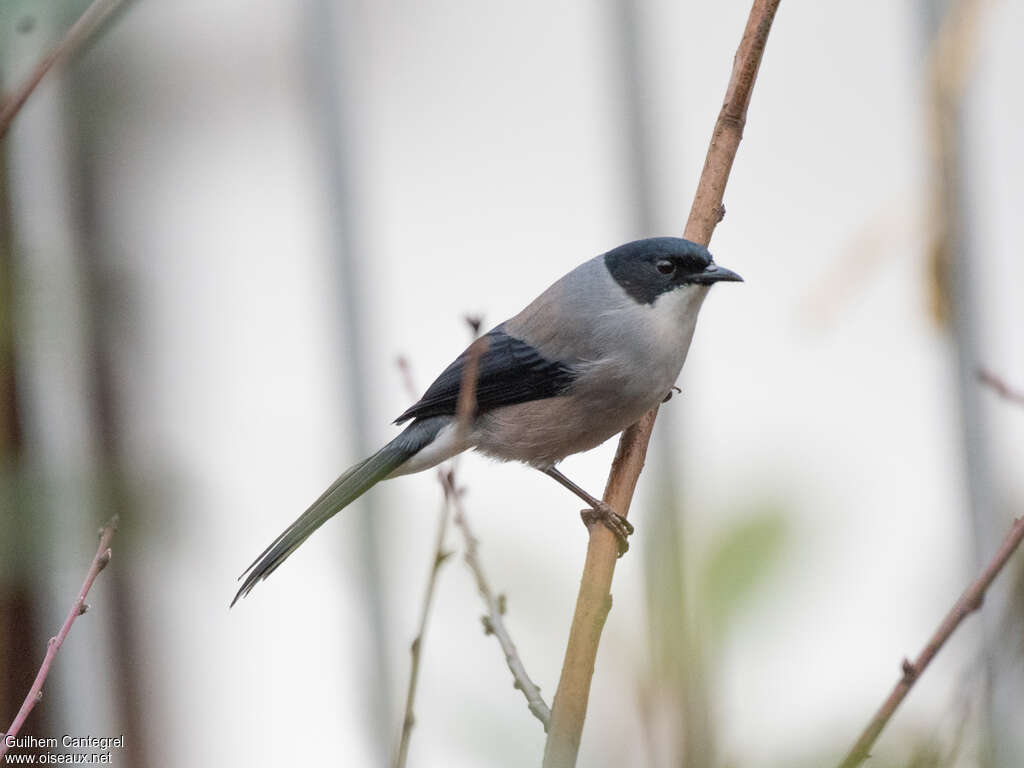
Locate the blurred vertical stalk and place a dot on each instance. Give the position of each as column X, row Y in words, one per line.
column 50, row 331
column 636, row 128
column 676, row 691
column 19, row 611
column 20, row 608
column 107, row 297
column 328, row 73
column 948, row 29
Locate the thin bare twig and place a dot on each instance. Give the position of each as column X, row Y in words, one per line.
column 35, row 693
column 494, row 623
column 416, row 649
column 440, row 557
column 78, row 33
column 1000, row 387
column 594, row 600
column 969, row 602
column 465, row 407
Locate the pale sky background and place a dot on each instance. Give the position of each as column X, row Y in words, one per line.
column 487, row 159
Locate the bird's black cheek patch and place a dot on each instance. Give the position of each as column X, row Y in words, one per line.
column 634, row 266
column 637, row 277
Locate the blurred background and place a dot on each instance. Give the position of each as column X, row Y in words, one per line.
column 222, row 224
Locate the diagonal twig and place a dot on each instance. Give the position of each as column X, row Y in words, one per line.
column 35, row 693
column 1000, row 387
column 969, row 602
column 494, row 622
column 594, row 600
column 90, row 21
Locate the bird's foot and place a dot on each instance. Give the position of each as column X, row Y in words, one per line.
column 613, row 521
column 668, row 395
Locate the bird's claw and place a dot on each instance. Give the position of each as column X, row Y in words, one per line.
column 668, row 395
column 613, row 521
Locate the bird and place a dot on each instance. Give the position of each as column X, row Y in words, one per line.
column 583, row 361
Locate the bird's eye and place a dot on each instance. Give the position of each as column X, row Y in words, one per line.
column 666, row 267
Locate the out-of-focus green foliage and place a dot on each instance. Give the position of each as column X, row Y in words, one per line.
column 688, row 624
column 742, row 558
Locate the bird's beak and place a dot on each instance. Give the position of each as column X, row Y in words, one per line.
column 716, row 274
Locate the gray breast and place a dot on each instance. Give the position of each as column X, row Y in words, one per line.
column 627, row 356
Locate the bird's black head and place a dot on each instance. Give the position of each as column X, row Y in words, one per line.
column 648, row 268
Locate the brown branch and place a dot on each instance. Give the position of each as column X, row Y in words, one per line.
column 594, row 599
column 969, row 602
column 1000, row 387
column 35, row 693
column 90, row 20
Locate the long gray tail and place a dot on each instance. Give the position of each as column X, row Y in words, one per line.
column 352, row 484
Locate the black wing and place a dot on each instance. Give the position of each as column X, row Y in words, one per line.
column 511, row 371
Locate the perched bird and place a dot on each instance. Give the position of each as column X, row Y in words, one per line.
column 587, row 358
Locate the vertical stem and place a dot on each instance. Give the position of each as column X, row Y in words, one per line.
column 674, row 668
column 950, row 30
column 594, row 599
column 416, row 650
